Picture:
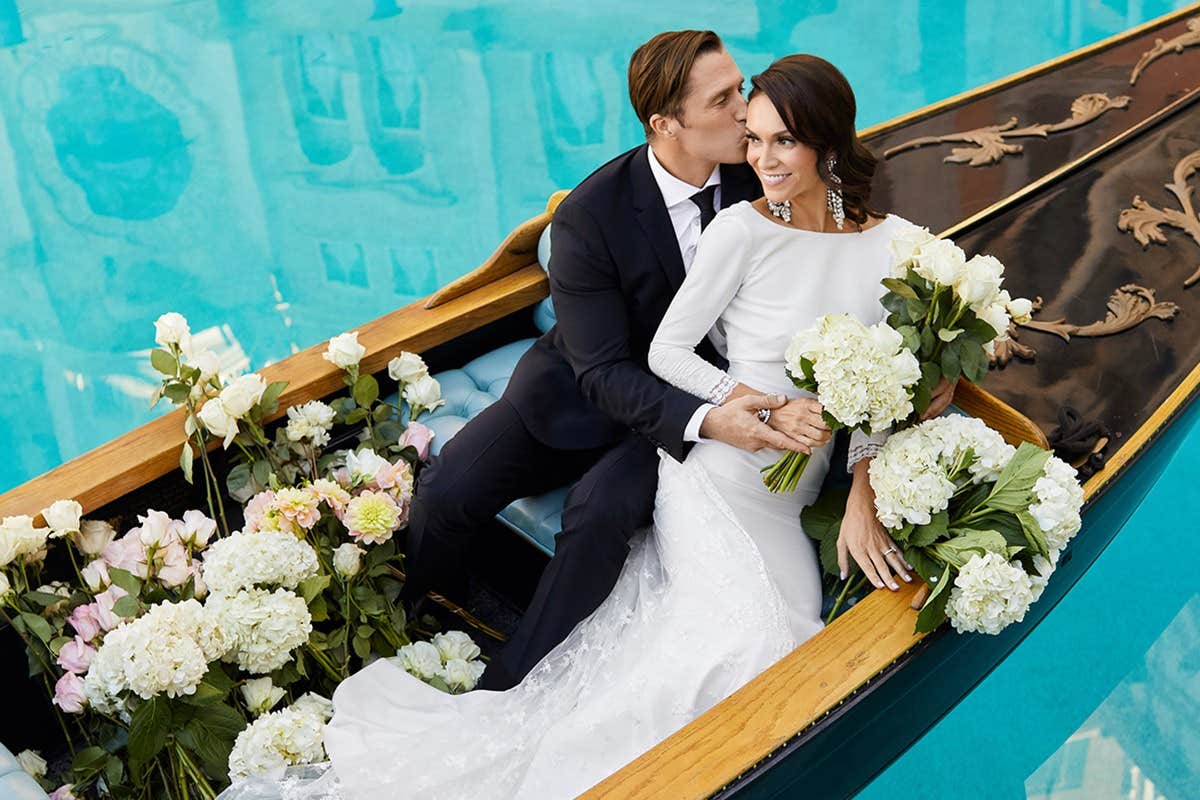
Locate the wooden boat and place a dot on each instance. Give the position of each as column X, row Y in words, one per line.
column 866, row 687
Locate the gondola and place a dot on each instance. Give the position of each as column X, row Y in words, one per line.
column 1059, row 172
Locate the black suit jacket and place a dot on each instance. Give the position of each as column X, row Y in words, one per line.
column 615, row 266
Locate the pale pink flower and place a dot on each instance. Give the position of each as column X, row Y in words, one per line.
column 418, row 436
column 85, row 621
column 104, row 607
column 76, row 656
column 197, row 529
column 176, row 565
column 299, row 507
column 128, row 553
column 397, row 477
column 64, row 792
column 256, row 510
column 156, row 529
column 69, row 696
column 342, row 476
column 95, row 575
column 330, row 493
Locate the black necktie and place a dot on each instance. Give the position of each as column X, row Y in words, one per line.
column 704, row 199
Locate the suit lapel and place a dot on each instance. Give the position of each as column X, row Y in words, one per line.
column 738, row 183
column 653, row 217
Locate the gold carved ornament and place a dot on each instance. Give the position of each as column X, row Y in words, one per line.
column 990, row 144
column 1190, row 38
column 1145, row 221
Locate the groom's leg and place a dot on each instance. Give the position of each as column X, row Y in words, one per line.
column 612, row 500
column 492, row 461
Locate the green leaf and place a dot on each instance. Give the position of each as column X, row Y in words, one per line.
column 381, row 413
column 366, row 390
column 238, row 480
column 261, row 470
column 212, row 750
column 916, row 309
column 356, row 416
column 38, row 626
column 362, row 647
column 126, row 580
column 949, row 335
column 148, row 729
column 270, row 398
column 309, row 588
column 126, row 607
column 951, row 361
column 213, row 687
column 176, row 392
column 88, row 761
column 43, row 599
column 221, row 719
column 823, row 521
column 56, row 645
column 1034, row 534
column 974, row 363
column 114, row 771
column 926, row 342
column 185, row 461
column 438, row 683
column 164, row 362
column 925, row 535
column 1013, row 488
column 318, row 609
column 896, row 306
column 978, row 542
column 912, row 338
column 933, row 613
column 899, row 287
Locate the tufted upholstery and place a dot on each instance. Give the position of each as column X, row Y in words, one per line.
column 14, row 783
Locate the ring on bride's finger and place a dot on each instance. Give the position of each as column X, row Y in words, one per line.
column 889, row 550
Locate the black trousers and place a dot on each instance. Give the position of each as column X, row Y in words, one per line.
column 494, row 460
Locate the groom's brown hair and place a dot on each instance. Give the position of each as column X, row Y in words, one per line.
column 659, row 69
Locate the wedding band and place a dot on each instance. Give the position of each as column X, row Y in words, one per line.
column 889, row 550
column 764, row 415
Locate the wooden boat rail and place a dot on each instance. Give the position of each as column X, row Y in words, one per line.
column 788, row 697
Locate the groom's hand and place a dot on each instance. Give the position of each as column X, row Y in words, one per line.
column 737, row 423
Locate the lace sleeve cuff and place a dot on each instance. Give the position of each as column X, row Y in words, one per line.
column 863, row 446
column 722, row 390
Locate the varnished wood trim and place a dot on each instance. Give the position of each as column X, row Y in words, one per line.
column 152, row 450
column 518, row 250
column 1014, row 426
column 1026, row 74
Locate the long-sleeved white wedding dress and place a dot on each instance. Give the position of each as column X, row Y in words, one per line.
column 722, row 586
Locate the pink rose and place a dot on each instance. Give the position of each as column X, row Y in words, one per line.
column 85, row 622
column 418, row 436
column 156, row 528
column 176, row 565
column 197, row 529
column 76, row 656
column 95, row 575
column 104, row 607
column 69, row 696
column 256, row 510
column 128, row 553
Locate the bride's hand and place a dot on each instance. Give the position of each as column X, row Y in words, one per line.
column 865, row 540
column 801, row 420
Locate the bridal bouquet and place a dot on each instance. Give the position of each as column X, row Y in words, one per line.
column 950, row 310
column 166, row 648
column 863, row 377
column 982, row 522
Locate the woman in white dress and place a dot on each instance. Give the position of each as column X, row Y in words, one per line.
column 726, row 582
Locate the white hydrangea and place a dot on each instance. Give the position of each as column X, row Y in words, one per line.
column 271, row 558
column 285, row 738
column 1059, row 498
column 909, row 481
column 165, row 651
column 1043, row 569
column 864, row 374
column 989, row 594
column 952, row 436
column 263, row 627
column 311, row 421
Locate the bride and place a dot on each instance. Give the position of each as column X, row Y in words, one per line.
column 726, row 582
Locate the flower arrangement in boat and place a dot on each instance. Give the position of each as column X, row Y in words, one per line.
column 981, row 521
column 863, row 377
column 170, row 648
column 950, row 310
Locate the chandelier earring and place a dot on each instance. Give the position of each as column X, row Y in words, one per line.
column 833, row 193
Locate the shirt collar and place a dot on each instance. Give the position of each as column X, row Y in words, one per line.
column 675, row 191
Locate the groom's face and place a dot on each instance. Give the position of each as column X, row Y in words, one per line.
column 712, row 125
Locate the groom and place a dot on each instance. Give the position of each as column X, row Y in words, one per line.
column 582, row 404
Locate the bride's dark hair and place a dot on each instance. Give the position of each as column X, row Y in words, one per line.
column 817, row 105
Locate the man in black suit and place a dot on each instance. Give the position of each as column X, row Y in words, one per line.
column 582, row 403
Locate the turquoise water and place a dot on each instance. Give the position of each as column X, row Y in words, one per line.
column 1102, row 700
column 283, row 170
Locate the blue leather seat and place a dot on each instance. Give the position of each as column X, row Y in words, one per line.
column 15, row 784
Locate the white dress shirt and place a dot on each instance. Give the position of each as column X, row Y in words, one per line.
column 685, row 219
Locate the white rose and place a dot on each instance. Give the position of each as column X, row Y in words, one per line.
column 459, row 675
column 242, row 394
column 365, row 465
column 18, row 538
column 906, row 243
column 941, row 261
column 218, row 421
column 1021, row 310
column 32, row 763
column 208, row 363
column 455, row 644
column 63, row 517
column 347, row 559
column 94, row 535
column 421, row 659
column 344, row 351
column 261, row 695
column 5, row 587
column 425, row 392
column 980, row 280
column 171, row 328
column 155, row 530
column 407, row 367
column 315, row 704
column 95, row 575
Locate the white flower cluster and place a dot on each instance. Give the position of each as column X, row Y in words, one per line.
column 310, row 422
column 864, row 374
column 166, row 650
column 989, row 594
column 286, row 738
column 245, row 560
column 261, row 627
column 452, row 657
column 913, row 475
column 976, row 281
column 19, row 539
column 1059, row 500
column 220, row 414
